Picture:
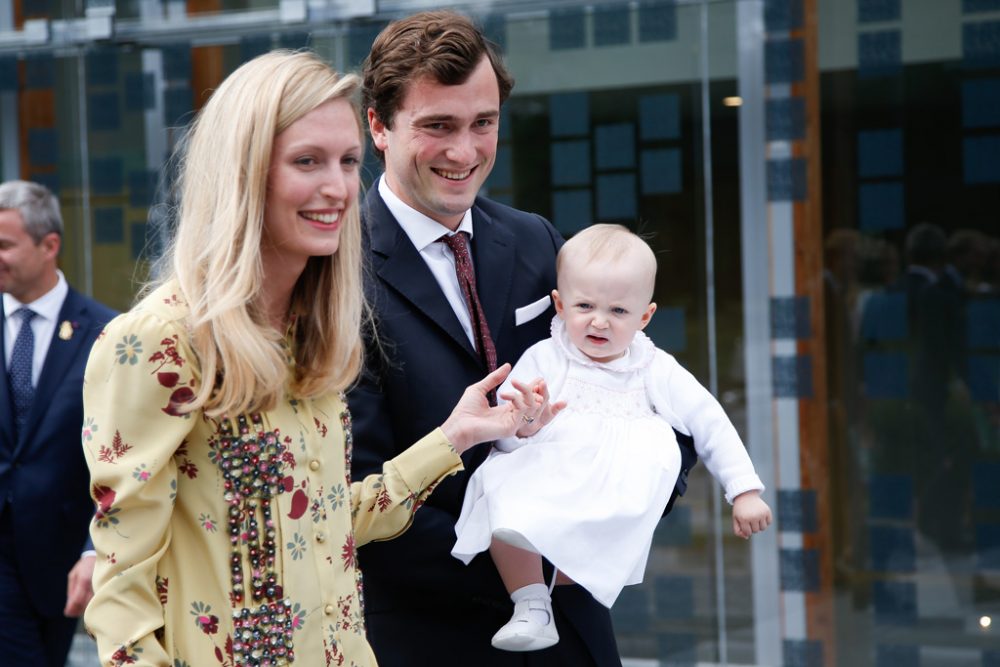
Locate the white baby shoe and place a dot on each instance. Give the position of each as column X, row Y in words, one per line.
column 526, row 630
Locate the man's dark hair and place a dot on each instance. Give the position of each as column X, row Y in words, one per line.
column 443, row 45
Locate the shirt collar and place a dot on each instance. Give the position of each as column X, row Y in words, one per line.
column 421, row 229
column 46, row 306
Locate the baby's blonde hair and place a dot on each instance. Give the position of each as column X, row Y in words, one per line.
column 609, row 244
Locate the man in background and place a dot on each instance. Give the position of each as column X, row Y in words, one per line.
column 46, row 332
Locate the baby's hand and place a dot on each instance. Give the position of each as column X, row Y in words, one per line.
column 532, row 400
column 750, row 514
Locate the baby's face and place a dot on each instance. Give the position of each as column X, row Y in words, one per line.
column 603, row 305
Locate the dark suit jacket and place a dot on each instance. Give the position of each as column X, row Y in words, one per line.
column 43, row 476
column 423, row 606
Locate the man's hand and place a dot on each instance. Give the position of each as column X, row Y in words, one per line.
column 750, row 514
column 79, row 586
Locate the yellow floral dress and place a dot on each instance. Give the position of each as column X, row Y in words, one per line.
column 228, row 542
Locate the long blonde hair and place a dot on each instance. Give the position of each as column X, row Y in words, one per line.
column 215, row 255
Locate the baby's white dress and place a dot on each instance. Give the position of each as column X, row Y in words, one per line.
column 588, row 489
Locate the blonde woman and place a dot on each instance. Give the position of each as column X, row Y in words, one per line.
column 218, row 441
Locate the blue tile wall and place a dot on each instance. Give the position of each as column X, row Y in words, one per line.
column 880, row 206
column 984, row 378
column 892, row 549
column 139, row 93
column 359, row 41
column 782, row 15
column 569, row 114
column 884, row 317
column 895, row 602
column 659, row 117
column 50, row 180
column 981, row 44
column 678, row 649
column 567, row 29
column 792, row 376
column 661, row 172
column 104, row 112
column 141, row 187
column 878, row 10
column 616, row 197
column 657, row 20
column 138, row 238
column 612, row 25
column 981, row 103
column 790, row 317
column 786, row 179
column 36, row 8
column 177, row 106
column 988, row 546
column 784, row 61
column 8, row 74
column 502, row 176
column 615, row 146
column 880, row 53
column 675, row 529
column 786, row 119
column 40, row 72
column 802, row 653
column 300, row 40
column 571, row 210
column 797, row 510
column 102, row 67
column 886, row 374
column 979, row 159
column 632, row 610
column 495, row 29
column 176, row 62
column 893, row 655
column 571, row 162
column 985, row 489
column 674, row 597
column 890, row 496
column 109, row 225
column 43, row 146
column 799, row 570
column 253, row 46
column 972, row 6
column 107, row 175
column 880, row 153
column 982, row 323
column 668, row 329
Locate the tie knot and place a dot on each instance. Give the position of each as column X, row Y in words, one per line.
column 27, row 314
column 459, row 243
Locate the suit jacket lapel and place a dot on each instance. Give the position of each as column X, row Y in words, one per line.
column 57, row 361
column 399, row 264
column 6, row 409
column 493, row 249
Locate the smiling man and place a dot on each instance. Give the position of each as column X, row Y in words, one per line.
column 459, row 284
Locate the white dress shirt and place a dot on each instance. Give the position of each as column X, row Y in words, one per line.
column 424, row 233
column 43, row 325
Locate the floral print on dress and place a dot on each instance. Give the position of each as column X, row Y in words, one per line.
column 128, row 350
column 163, row 475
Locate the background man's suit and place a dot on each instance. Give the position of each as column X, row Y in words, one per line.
column 412, row 583
column 43, row 476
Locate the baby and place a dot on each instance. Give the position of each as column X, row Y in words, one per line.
column 585, row 481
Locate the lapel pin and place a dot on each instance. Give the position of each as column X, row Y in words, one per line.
column 66, row 330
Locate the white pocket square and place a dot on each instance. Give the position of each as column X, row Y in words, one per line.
column 531, row 311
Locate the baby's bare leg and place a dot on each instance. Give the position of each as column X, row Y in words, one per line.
column 518, row 568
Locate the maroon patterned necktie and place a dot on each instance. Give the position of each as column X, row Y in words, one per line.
column 459, row 244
